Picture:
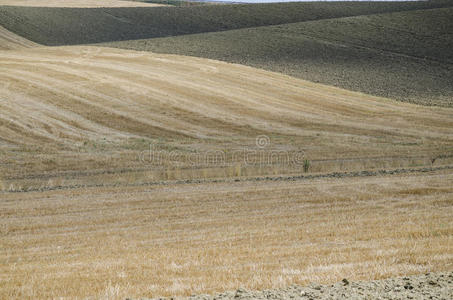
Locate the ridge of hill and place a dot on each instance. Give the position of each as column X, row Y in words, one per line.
column 402, row 55
column 10, row 41
column 69, row 26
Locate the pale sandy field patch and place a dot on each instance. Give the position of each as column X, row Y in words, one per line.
column 77, row 3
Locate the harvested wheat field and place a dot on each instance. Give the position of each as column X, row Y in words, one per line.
column 71, row 112
column 204, row 238
column 77, row 3
column 128, row 174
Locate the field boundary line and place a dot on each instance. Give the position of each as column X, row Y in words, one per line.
column 334, row 175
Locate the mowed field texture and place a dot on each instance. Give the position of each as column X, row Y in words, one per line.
column 129, row 174
column 77, row 112
column 115, row 243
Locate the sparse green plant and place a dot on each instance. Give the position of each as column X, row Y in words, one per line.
column 306, row 165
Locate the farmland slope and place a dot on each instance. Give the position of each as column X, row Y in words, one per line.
column 92, row 108
column 403, row 55
column 10, row 41
column 68, row 26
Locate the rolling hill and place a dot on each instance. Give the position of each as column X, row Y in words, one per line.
column 73, row 109
column 403, row 55
column 68, row 26
column 10, row 41
column 398, row 50
column 132, row 174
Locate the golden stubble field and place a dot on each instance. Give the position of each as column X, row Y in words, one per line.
column 80, row 116
column 205, row 238
column 67, row 113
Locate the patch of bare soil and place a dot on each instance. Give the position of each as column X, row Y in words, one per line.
column 427, row 286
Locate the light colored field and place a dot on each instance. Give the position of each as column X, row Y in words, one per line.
column 77, row 3
column 179, row 240
column 82, row 115
column 94, row 109
column 11, row 41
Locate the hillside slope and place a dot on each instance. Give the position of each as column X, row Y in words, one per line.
column 68, row 26
column 88, row 108
column 10, row 41
column 403, row 55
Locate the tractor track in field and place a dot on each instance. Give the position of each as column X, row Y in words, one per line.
column 337, row 175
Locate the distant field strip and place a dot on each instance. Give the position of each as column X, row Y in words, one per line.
column 77, row 3
column 69, row 26
column 138, row 242
column 403, row 55
column 10, row 41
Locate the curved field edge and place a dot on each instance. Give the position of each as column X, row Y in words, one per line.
column 68, row 26
column 101, row 113
column 11, row 41
column 402, row 55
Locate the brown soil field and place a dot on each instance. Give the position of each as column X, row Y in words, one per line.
column 179, row 240
column 77, row 3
